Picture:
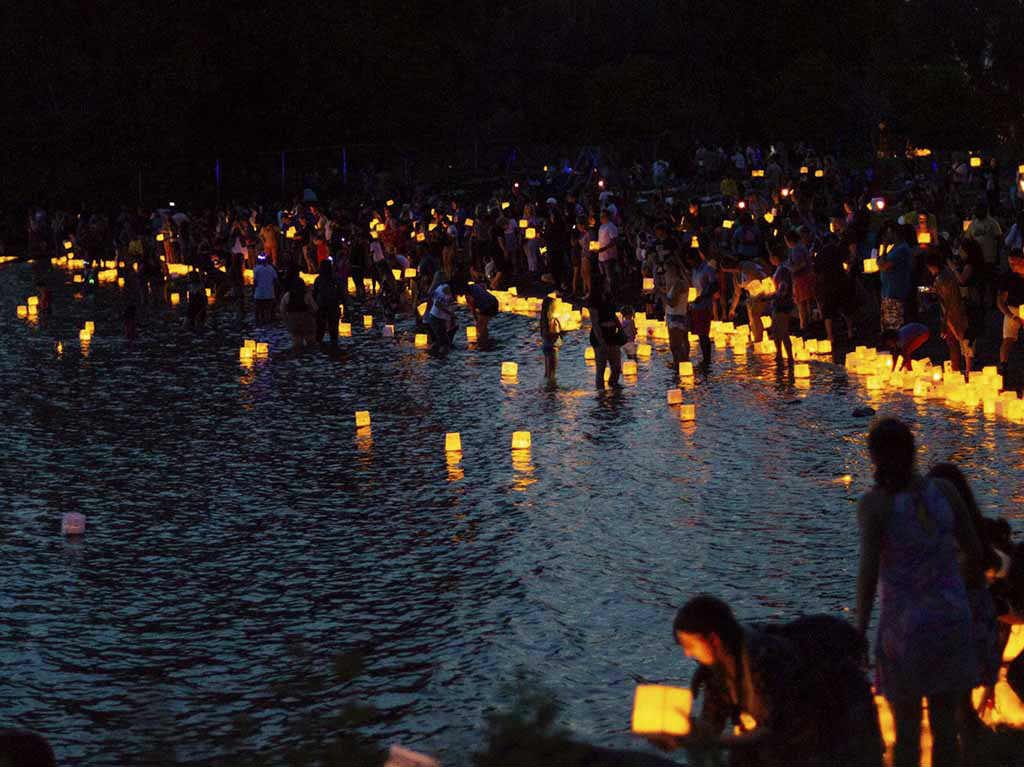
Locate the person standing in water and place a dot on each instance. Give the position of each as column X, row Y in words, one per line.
column 550, row 334
column 327, row 297
column 912, row 530
column 484, row 306
column 606, row 336
column 299, row 311
column 782, row 306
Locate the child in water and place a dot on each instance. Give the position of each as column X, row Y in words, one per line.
column 629, row 330
column 550, row 333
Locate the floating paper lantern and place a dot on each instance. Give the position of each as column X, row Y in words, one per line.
column 469, row 223
column 22, row 311
column 643, row 351
column 175, row 299
column 509, row 369
column 804, row 170
column 362, row 419
column 661, row 710
column 470, row 334
column 870, row 265
column 688, row 412
column 648, row 283
column 84, row 335
column 453, row 442
column 345, row 329
column 819, row 173
column 674, row 396
column 531, row 233
column 802, row 370
column 686, row 369
column 588, row 354
column 975, row 162
column 824, row 347
column 520, row 440
column 367, row 321
column 422, row 341
column 72, row 523
column 629, row 368
column 262, row 349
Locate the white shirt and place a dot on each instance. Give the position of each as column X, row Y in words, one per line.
column 605, row 235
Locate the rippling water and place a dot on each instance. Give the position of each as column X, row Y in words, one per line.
column 235, row 515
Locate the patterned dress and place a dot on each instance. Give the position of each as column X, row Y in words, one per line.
column 924, row 629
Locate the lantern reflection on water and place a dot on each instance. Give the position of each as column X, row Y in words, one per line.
column 509, row 370
column 422, row 341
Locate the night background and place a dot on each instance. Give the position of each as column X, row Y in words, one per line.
column 98, row 92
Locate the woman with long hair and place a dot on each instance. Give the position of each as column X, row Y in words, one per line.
column 910, row 531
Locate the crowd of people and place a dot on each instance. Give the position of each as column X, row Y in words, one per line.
column 821, row 251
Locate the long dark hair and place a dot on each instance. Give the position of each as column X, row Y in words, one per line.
column 952, row 474
column 892, row 449
column 706, row 615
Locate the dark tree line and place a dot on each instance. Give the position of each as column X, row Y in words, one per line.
column 93, row 89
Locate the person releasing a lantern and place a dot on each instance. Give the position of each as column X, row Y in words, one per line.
column 794, row 693
column 904, row 342
column 484, row 306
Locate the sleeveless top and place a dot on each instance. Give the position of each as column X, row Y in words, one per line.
column 924, row 627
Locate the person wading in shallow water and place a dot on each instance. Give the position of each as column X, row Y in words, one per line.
column 911, row 531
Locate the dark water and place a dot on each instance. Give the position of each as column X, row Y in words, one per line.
column 241, row 534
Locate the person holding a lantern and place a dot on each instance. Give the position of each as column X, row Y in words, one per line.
column 794, row 693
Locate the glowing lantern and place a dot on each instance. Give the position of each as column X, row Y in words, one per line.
column 469, row 223
column 924, row 238
column 922, row 152
column 785, row 192
column 802, row 370
column 629, row 368
column 32, row 301
column 362, row 419
column 766, row 321
column 877, row 204
column 345, row 329
column 695, row 241
column 757, row 173
column 870, row 265
column 531, row 233
column 509, row 370
column 588, row 354
column 643, row 351
column 470, row 334
column 367, row 321
column 389, row 203
column 431, row 226
column 594, row 246
column 245, row 354
column 691, row 295
column 819, row 173
column 648, row 283
column 520, row 440
column 160, row 237
column 452, row 442
column 966, row 224
column 262, row 349
column 68, row 245
column 769, row 217
column 824, row 347
column 175, row 299
column 250, row 344
column 661, row 710
column 975, row 162
column 686, row 369
column 84, row 335
column 90, row 326
column 22, row 312
column 421, row 341
column 674, row 396
column 504, row 206
column 523, row 223
column 688, row 412
column 804, row 170
column 728, row 223
column 396, row 273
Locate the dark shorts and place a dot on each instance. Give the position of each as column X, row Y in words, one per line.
column 700, row 321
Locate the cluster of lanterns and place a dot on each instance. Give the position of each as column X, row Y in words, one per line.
column 29, row 310
column 937, row 382
column 253, row 350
